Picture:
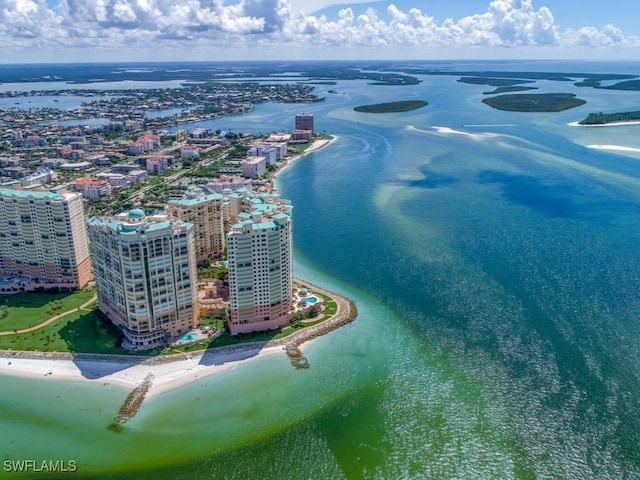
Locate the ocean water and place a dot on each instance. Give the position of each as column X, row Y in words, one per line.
column 493, row 259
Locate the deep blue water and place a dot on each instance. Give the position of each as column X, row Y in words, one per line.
column 493, row 258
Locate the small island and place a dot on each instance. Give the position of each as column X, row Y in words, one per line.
column 607, row 118
column 542, row 102
column 515, row 88
column 392, row 107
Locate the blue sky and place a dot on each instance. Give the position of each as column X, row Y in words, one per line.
column 625, row 14
column 135, row 30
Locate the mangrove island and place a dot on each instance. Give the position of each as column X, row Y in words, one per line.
column 605, row 118
column 541, row 102
column 392, row 107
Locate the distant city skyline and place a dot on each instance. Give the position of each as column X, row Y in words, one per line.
column 173, row 30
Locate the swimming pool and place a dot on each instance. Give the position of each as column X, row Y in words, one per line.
column 310, row 299
column 189, row 337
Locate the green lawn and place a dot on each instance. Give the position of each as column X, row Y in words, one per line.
column 86, row 332
column 28, row 309
column 79, row 332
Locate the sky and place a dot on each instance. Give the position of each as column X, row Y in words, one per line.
column 172, row 30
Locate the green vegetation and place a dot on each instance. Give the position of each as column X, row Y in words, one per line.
column 392, row 107
column 509, row 90
column 79, row 332
column 493, row 82
column 544, row 102
column 628, row 85
column 24, row 310
column 604, row 118
column 88, row 331
column 205, row 270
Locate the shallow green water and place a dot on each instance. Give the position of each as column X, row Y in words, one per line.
column 496, row 276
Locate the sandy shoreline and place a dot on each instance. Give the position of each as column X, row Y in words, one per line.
column 170, row 371
column 315, row 146
column 610, row 124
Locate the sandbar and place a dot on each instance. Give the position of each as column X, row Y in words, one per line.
column 619, row 148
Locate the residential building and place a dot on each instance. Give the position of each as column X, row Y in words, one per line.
column 125, row 169
column 42, row 175
column 304, row 121
column 137, row 176
column 270, row 153
column 259, row 249
column 75, row 166
column 146, row 280
column 157, row 164
column 114, row 179
column 189, row 151
column 302, row 135
column 229, row 182
column 205, row 212
column 43, row 239
column 135, row 148
column 200, row 133
column 93, row 188
column 254, row 167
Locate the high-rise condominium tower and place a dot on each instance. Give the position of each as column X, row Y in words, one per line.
column 205, row 211
column 304, row 121
column 43, row 240
column 260, row 265
column 145, row 270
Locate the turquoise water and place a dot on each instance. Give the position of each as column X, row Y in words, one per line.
column 310, row 299
column 496, row 274
column 189, row 337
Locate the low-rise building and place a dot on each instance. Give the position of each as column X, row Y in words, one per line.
column 229, row 182
column 93, row 188
column 137, row 176
column 43, row 175
column 75, row 166
column 157, row 164
column 189, row 151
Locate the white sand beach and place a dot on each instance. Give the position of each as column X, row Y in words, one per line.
column 169, row 372
column 611, row 124
column 168, row 375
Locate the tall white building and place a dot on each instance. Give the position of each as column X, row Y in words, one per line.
column 260, row 265
column 145, row 271
column 43, row 240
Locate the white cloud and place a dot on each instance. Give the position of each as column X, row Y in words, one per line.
column 608, row 36
column 252, row 24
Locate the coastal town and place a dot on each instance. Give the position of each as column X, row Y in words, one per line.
column 181, row 233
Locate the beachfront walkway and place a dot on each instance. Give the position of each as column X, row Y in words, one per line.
column 52, row 319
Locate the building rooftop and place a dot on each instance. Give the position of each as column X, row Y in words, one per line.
column 8, row 192
column 137, row 226
column 136, row 213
